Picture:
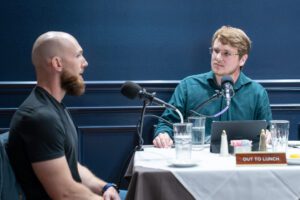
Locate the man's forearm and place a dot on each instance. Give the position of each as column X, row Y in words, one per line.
column 79, row 191
column 90, row 180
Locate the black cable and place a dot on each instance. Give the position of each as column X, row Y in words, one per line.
column 211, row 116
column 139, row 146
column 213, row 97
column 125, row 166
column 141, row 141
column 140, row 127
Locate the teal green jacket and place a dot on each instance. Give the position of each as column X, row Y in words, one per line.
column 250, row 102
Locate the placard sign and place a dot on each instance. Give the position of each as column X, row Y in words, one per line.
column 260, row 158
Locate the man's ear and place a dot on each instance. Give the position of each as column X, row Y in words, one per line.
column 56, row 63
column 243, row 59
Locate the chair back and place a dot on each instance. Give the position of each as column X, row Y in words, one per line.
column 9, row 187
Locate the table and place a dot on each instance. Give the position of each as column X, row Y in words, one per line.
column 215, row 177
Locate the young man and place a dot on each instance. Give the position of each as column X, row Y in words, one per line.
column 229, row 53
column 42, row 143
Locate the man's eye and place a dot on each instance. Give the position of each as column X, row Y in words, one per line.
column 216, row 51
column 226, row 53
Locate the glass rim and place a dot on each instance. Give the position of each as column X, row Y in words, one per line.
column 196, row 117
column 183, row 124
column 279, row 121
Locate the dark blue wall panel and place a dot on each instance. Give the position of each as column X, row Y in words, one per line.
column 107, row 119
column 151, row 40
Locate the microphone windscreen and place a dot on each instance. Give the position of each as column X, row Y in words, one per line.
column 226, row 79
column 130, row 89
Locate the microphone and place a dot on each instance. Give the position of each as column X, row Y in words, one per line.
column 227, row 86
column 132, row 90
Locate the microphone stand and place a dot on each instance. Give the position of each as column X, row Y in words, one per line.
column 140, row 126
column 139, row 146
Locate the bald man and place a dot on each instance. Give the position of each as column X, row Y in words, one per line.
column 42, row 143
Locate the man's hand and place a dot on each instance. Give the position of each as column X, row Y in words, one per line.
column 163, row 140
column 111, row 194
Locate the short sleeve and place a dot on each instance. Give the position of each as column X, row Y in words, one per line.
column 43, row 135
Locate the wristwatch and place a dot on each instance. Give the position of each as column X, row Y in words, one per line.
column 108, row 185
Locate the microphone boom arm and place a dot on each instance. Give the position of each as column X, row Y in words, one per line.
column 215, row 96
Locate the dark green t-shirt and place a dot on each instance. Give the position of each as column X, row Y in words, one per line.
column 40, row 130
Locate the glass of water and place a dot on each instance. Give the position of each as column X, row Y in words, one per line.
column 183, row 141
column 279, row 135
column 198, row 132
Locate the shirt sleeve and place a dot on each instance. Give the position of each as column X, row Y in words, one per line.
column 264, row 109
column 43, row 136
column 178, row 100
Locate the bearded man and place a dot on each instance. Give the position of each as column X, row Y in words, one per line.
column 42, row 145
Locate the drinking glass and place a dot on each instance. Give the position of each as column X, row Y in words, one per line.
column 198, row 132
column 183, row 141
column 279, row 135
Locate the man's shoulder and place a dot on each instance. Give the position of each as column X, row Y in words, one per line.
column 254, row 83
column 35, row 110
column 196, row 78
column 245, row 80
column 33, row 117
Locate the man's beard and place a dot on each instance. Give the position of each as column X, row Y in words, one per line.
column 73, row 85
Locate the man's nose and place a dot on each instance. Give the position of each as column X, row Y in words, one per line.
column 85, row 63
column 219, row 56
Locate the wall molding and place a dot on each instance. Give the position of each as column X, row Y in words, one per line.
column 114, row 129
column 269, row 84
column 134, row 109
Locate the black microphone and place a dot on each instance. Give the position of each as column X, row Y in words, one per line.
column 227, row 86
column 132, row 90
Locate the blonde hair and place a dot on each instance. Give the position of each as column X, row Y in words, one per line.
column 235, row 37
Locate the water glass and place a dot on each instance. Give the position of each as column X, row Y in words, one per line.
column 183, row 141
column 198, row 132
column 279, row 135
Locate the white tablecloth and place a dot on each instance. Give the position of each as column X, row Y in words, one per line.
column 217, row 177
